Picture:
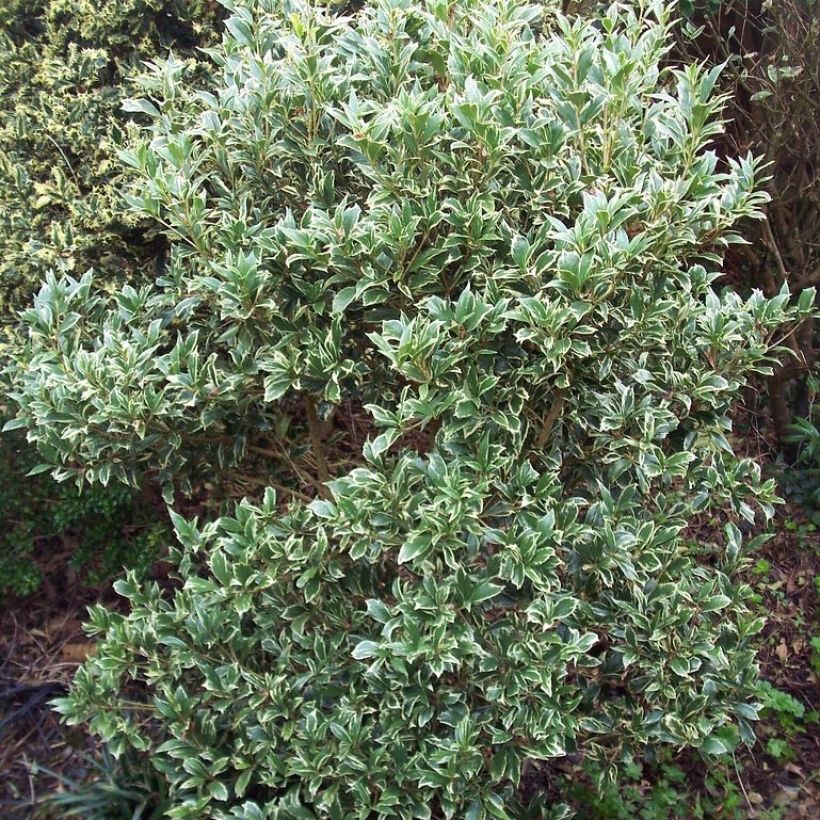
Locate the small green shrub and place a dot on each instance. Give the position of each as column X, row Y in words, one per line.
column 800, row 479
column 780, row 704
column 482, row 221
column 110, row 526
column 815, row 653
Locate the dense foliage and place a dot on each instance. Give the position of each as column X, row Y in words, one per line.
column 64, row 70
column 485, row 222
column 103, row 529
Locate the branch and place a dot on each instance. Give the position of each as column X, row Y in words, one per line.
column 808, row 281
column 315, row 428
column 549, row 421
column 775, row 250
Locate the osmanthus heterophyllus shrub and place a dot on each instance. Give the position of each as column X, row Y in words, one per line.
column 477, row 218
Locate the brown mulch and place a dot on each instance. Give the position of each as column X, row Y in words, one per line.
column 790, row 602
column 41, row 646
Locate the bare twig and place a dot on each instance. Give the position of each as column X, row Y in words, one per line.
column 807, row 281
column 767, row 228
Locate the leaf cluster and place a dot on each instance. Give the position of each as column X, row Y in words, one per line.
column 111, row 527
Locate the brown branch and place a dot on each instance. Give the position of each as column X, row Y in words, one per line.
column 315, row 428
column 808, row 281
column 549, row 421
column 255, row 481
column 775, row 250
column 282, row 455
column 435, row 426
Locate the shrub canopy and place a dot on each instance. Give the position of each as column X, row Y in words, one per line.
column 484, row 221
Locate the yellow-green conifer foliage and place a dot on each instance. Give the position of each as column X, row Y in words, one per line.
column 64, row 72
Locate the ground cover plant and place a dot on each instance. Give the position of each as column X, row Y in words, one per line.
column 498, row 230
column 102, row 529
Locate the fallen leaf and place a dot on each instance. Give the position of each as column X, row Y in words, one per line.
column 790, row 767
column 77, row 652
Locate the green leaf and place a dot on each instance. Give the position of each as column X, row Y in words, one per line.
column 680, row 667
column 365, row 649
column 485, row 591
column 713, row 745
column 322, row 508
column 715, row 603
column 415, row 547
column 219, row 567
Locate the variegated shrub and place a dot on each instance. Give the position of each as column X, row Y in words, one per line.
column 485, row 222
